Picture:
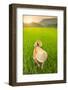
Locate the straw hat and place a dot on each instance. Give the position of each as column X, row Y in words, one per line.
column 41, row 55
column 38, row 43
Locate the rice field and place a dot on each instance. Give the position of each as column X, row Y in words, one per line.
column 48, row 36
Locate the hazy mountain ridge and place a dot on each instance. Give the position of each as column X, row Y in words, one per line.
column 33, row 24
column 52, row 22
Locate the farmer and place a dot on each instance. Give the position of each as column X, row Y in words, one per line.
column 39, row 55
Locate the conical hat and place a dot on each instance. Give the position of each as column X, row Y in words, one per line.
column 41, row 56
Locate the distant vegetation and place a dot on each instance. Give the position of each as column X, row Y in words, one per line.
column 52, row 22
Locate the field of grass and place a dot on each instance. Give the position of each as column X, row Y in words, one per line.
column 48, row 36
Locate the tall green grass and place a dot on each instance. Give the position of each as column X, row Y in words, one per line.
column 48, row 36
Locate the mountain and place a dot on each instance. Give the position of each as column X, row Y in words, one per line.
column 33, row 24
column 49, row 22
column 52, row 22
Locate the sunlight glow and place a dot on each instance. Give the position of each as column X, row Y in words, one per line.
column 30, row 19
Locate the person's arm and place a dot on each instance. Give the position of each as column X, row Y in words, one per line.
column 34, row 54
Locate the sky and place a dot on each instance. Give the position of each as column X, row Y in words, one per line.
column 30, row 19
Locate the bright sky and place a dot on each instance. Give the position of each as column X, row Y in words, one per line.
column 30, row 19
